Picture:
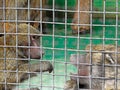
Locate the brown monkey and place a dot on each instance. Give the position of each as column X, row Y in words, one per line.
column 104, row 69
column 25, row 11
column 81, row 16
column 19, row 44
column 112, row 63
column 83, row 64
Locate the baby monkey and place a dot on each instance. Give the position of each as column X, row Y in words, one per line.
column 82, row 79
column 96, row 71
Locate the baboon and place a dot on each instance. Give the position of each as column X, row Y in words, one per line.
column 101, row 67
column 24, row 11
column 18, row 45
column 82, row 16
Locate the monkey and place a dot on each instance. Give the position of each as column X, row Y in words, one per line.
column 25, row 11
column 19, row 44
column 81, row 16
column 112, row 58
column 82, row 62
column 103, row 68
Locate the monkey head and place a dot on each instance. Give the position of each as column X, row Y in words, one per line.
column 24, row 39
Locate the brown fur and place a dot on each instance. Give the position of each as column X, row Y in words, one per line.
column 20, row 9
column 84, row 16
column 70, row 85
column 12, row 61
column 109, row 71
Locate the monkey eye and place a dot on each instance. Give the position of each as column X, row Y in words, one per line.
column 35, row 37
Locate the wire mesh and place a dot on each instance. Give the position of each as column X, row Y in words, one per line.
column 78, row 36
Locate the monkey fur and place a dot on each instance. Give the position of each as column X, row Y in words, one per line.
column 71, row 85
column 105, row 69
column 19, row 44
column 24, row 11
column 82, row 17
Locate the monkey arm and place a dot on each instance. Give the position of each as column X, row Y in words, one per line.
column 27, row 89
column 41, row 66
column 31, row 69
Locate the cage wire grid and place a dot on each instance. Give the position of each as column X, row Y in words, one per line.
column 59, row 42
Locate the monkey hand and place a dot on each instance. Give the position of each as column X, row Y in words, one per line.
column 42, row 66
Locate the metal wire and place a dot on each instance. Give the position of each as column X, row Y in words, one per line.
column 78, row 37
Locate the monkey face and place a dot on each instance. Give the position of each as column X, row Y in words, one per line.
column 35, row 51
column 24, row 38
column 31, row 40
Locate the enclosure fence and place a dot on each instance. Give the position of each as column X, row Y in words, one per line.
column 76, row 41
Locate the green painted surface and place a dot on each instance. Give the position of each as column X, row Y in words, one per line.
column 97, row 4
column 108, row 5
